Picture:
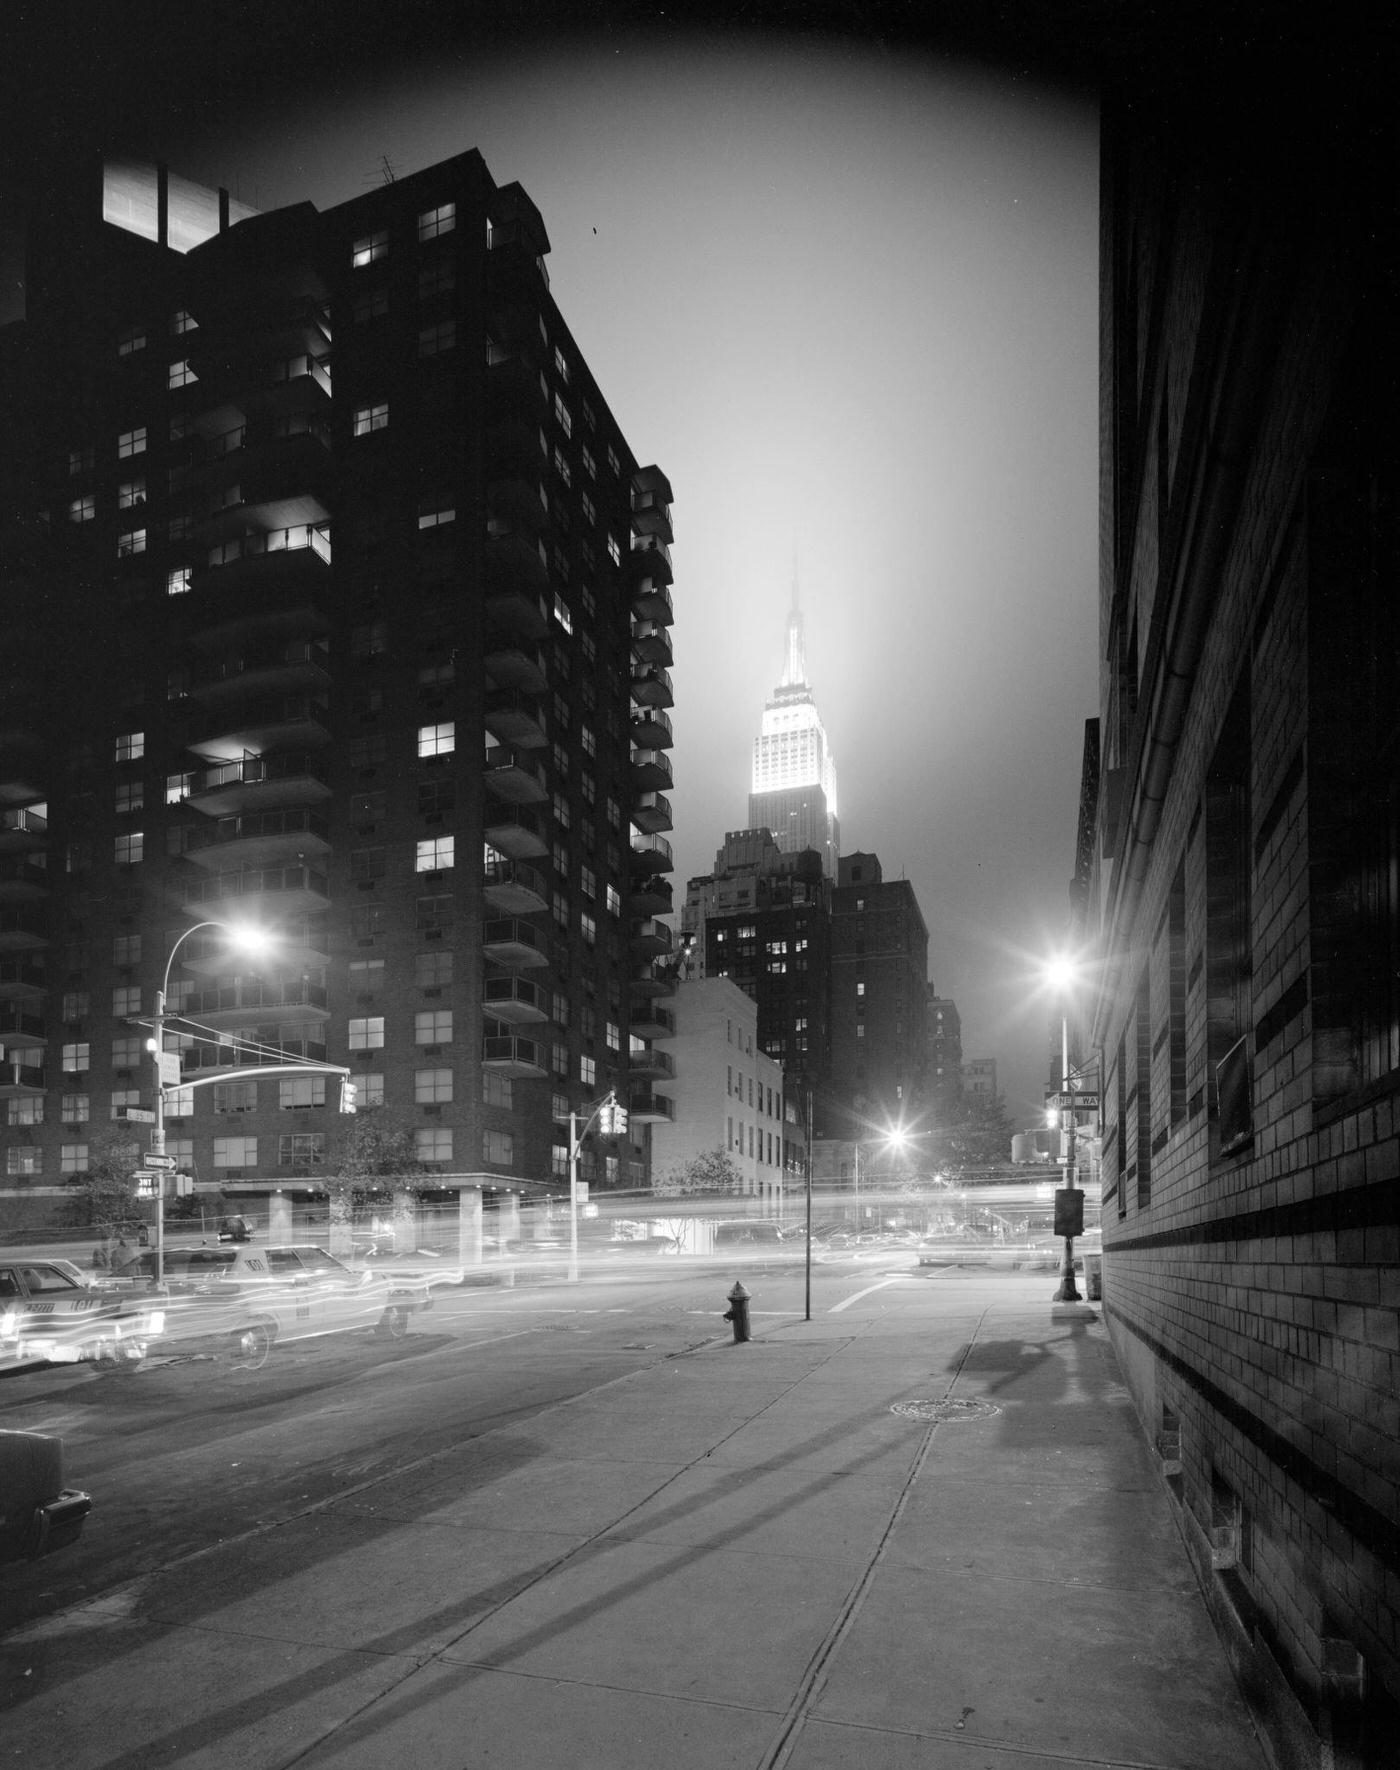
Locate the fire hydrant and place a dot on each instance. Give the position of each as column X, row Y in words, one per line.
column 738, row 1312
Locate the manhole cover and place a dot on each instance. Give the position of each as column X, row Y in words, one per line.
column 946, row 1410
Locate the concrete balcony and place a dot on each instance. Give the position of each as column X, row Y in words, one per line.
column 24, row 768
column 652, row 937
column 266, row 893
column 651, row 514
column 23, row 880
column 651, row 1066
column 515, row 834
column 21, row 1026
column 650, row 895
column 271, row 1035
column 520, row 667
column 651, row 600
column 23, row 930
column 513, row 717
column 646, row 1108
column 650, row 729
column 293, row 1000
column 515, row 1001
column 258, row 783
column 302, row 945
column 651, row 686
column 652, row 854
column 511, row 1055
column 20, row 1080
column 22, row 980
column 651, row 643
column 650, row 557
column 23, row 830
column 514, row 776
column 272, row 723
column 651, row 812
column 647, row 1019
column 651, row 771
column 259, row 838
column 514, row 888
column 519, row 944
column 283, row 665
column 655, row 979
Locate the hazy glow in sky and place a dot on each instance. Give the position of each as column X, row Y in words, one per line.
column 846, row 297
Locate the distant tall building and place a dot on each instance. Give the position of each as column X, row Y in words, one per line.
column 372, row 651
column 944, row 1050
column 794, row 773
column 979, row 1078
column 879, row 999
column 762, row 919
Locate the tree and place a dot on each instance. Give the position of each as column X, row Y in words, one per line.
column 711, row 1172
column 976, row 1133
column 371, row 1157
column 105, row 1200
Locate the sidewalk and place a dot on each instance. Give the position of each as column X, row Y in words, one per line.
column 739, row 1557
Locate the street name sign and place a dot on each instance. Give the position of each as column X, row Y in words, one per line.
column 1081, row 1102
column 137, row 1115
column 153, row 1160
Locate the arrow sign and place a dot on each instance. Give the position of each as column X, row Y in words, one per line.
column 1081, row 1102
column 152, row 1160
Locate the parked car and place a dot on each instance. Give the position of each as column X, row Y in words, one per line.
column 248, row 1297
column 51, row 1314
column 38, row 1514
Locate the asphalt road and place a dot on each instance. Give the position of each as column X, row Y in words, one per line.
column 184, row 1451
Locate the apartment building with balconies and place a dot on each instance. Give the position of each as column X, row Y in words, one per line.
column 356, row 612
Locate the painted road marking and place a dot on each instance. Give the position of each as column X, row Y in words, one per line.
column 898, row 1278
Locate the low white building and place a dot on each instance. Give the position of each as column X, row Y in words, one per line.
column 728, row 1095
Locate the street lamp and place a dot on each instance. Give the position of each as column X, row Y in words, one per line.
column 1061, row 974
column 249, row 939
column 614, row 1116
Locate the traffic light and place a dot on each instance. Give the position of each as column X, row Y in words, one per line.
column 347, row 1094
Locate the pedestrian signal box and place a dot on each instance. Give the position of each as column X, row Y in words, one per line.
column 1069, row 1210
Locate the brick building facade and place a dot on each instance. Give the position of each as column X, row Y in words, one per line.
column 1241, row 896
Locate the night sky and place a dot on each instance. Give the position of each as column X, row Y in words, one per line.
column 841, row 283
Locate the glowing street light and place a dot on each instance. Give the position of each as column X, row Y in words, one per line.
column 244, row 937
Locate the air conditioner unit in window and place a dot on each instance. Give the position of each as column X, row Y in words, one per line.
column 432, row 934
column 365, row 884
column 364, row 1001
column 432, row 1109
column 431, row 1050
column 369, row 942
column 430, row 993
column 433, row 817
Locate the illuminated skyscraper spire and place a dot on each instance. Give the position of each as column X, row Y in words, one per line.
column 794, row 774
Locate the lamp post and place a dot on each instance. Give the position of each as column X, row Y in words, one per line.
column 1069, row 1200
column 253, row 940
column 612, row 1106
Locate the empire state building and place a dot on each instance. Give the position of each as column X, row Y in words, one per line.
column 794, row 774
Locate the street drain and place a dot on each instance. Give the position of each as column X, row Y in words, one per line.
column 946, row 1410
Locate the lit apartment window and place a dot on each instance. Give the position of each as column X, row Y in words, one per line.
column 434, row 854
column 25, row 1111
column 130, row 340
column 179, row 1104
column 235, row 1152
column 131, row 442
column 437, row 740
column 24, row 1160
column 497, row 1148
column 614, row 551
column 128, row 848
column 562, row 414
column 131, row 543
column 561, row 613
column 433, row 1144
column 432, row 1026
column 590, row 513
column 131, row 493
column 614, row 901
column 614, row 1036
column 126, row 999
column 177, row 583
column 370, row 249
column 126, row 949
column 431, row 1086
column 436, row 516
column 562, row 468
column 367, row 1033
column 371, row 418
column 497, row 1090
column 183, row 321
column 181, row 374
column 590, row 466
column 433, row 222
column 83, row 509
column 436, row 340
column 73, row 1109
column 370, row 1085
column 72, row 1158
column 587, row 1071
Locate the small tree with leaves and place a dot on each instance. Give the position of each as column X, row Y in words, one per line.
column 710, row 1173
column 105, row 1199
column 370, row 1158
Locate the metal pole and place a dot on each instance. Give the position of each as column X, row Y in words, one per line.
column 808, row 1315
column 575, row 1142
column 1067, row 1293
column 158, row 1132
